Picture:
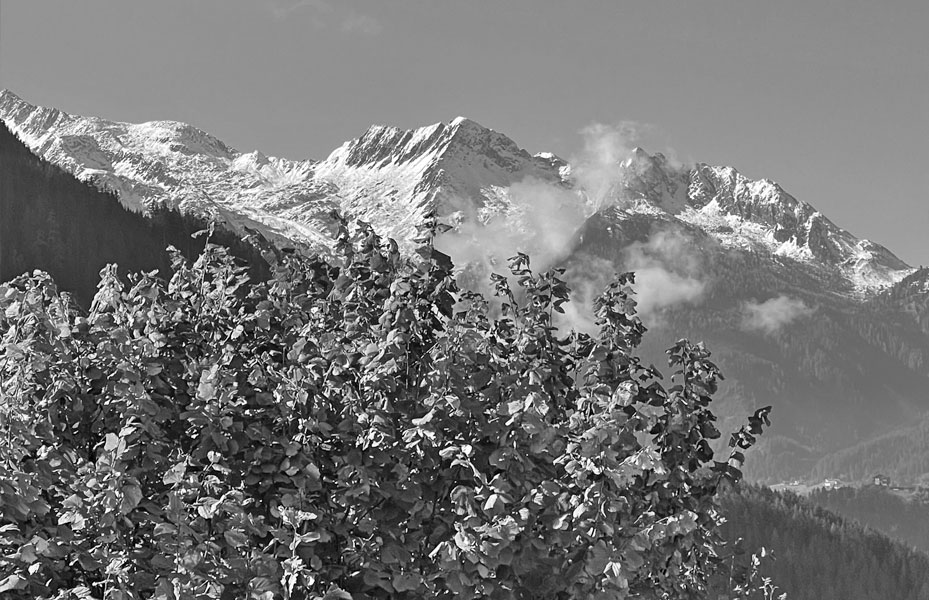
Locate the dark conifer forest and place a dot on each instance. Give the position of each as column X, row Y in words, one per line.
column 903, row 455
column 901, row 514
column 820, row 556
column 53, row 222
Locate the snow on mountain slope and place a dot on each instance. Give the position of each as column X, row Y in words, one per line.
column 394, row 178
column 167, row 163
column 466, row 173
column 752, row 215
column 761, row 215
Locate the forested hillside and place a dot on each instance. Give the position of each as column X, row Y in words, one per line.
column 902, row 515
column 820, row 556
column 902, row 455
column 825, row 370
column 51, row 221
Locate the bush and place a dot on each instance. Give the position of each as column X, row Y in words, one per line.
column 353, row 430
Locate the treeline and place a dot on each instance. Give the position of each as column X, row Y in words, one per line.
column 904, row 519
column 902, row 455
column 910, row 295
column 820, row 556
column 51, row 221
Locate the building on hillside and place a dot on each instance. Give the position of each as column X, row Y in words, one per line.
column 881, row 480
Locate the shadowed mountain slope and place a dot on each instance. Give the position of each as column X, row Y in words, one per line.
column 53, row 222
column 830, row 329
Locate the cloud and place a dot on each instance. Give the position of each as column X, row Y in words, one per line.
column 282, row 9
column 540, row 219
column 771, row 315
column 607, row 164
column 359, row 23
column 587, row 277
column 596, row 167
column 323, row 14
column 667, row 273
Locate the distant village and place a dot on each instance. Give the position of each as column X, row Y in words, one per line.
column 877, row 480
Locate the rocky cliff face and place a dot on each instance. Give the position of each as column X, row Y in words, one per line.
column 393, row 178
column 831, row 329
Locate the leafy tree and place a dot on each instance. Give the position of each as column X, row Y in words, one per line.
column 360, row 429
column 71, row 229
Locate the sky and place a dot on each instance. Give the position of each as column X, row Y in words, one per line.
column 830, row 98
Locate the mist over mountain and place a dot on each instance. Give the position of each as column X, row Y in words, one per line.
column 830, row 329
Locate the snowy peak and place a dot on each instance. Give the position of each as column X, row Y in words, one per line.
column 465, row 172
column 388, row 176
column 41, row 125
column 763, row 199
column 761, row 215
column 653, row 179
column 169, row 163
column 174, row 136
column 462, row 139
column 468, row 139
column 392, row 178
column 9, row 97
column 28, row 121
column 740, row 213
column 383, row 146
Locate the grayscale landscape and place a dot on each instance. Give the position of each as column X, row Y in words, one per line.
column 651, row 321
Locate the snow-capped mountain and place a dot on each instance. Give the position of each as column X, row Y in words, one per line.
column 752, row 215
column 831, row 329
column 389, row 177
column 393, row 178
column 167, row 163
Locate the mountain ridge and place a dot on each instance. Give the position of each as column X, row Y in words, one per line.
column 393, row 178
column 831, row 329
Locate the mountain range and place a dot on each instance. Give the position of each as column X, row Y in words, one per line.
column 830, row 329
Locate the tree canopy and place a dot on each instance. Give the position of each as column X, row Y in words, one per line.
column 358, row 428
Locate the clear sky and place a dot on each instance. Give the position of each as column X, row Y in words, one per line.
column 830, row 98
